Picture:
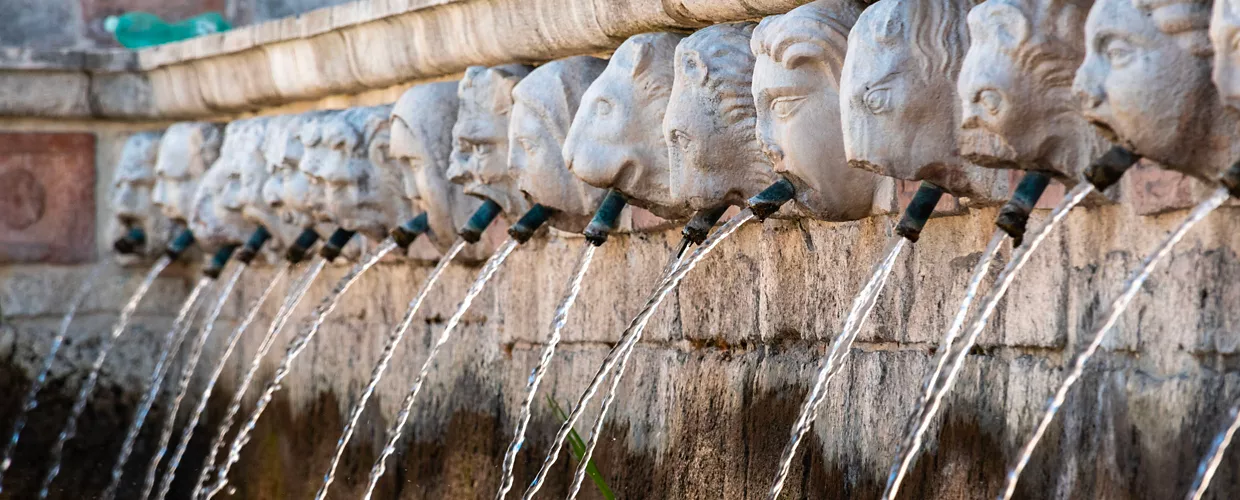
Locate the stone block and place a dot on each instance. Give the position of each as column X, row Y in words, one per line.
column 47, row 206
column 38, row 23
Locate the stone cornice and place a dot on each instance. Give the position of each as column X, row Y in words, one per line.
column 340, row 50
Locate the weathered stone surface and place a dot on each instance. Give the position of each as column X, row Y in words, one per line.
column 47, row 206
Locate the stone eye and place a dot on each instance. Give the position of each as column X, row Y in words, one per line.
column 877, row 100
column 603, row 107
column 784, row 107
column 1118, row 52
column 990, row 100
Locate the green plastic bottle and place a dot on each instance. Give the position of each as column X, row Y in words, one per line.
column 142, row 29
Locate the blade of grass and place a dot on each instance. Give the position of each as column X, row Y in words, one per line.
column 578, row 446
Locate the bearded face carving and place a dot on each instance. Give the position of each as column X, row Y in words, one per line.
column 544, row 104
column 479, row 160
column 131, row 204
column 218, row 218
column 709, row 126
column 898, row 101
column 796, row 92
column 616, row 139
column 185, row 152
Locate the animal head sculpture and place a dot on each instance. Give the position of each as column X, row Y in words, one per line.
column 1146, row 83
column 1225, row 35
column 709, row 126
column 796, row 92
column 1015, row 88
column 898, row 95
column 480, row 136
column 544, row 104
column 131, row 205
column 616, row 139
column 185, row 152
column 218, row 218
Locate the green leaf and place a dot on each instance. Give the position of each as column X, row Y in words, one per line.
column 578, row 448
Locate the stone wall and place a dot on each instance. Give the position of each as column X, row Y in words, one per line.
column 715, row 386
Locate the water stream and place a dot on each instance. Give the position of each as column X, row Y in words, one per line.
column 619, row 353
column 295, row 348
column 187, row 373
column 1130, row 289
column 168, row 350
column 92, row 377
column 1209, row 465
column 544, row 361
column 834, row 363
column 912, row 441
column 32, row 394
column 385, row 358
column 493, row 264
column 297, row 291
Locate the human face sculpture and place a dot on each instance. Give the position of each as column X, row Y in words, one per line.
column 1146, row 83
column 544, row 104
column 218, row 218
column 301, row 192
column 185, row 152
column 479, row 160
column 261, row 185
column 898, row 95
column 1015, row 88
column 796, row 93
column 130, row 203
column 422, row 123
column 616, row 139
column 363, row 183
column 1225, row 37
column 709, row 126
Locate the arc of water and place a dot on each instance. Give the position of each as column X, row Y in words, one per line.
column 295, row 348
column 544, row 361
column 628, row 339
column 187, row 372
column 1130, row 289
column 168, row 349
column 297, row 291
column 493, row 264
column 92, row 377
column 376, row 374
column 857, row 315
column 908, row 447
column 1209, row 464
column 32, row 394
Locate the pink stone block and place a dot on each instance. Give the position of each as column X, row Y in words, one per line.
column 47, row 198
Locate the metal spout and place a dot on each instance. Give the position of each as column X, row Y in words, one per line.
column 766, row 203
column 702, row 222
column 300, row 247
column 180, row 244
column 131, row 242
column 472, row 232
column 1110, row 167
column 405, row 234
column 1015, row 213
column 918, row 212
column 250, row 250
column 605, row 218
column 218, row 261
column 529, row 223
column 335, row 244
column 1231, row 179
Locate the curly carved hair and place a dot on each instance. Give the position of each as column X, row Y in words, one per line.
column 816, row 32
column 720, row 56
column 938, row 34
column 1188, row 21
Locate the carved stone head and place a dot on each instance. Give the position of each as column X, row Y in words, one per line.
column 1146, row 83
column 422, row 123
column 185, row 152
column 262, row 183
column 1015, row 88
column 543, row 107
column 316, row 153
column 218, row 217
column 130, row 203
column 709, row 126
column 480, row 136
column 1225, row 35
column 898, row 95
column 796, row 87
column 616, row 139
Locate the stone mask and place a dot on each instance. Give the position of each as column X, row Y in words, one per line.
column 616, row 140
column 131, row 204
column 262, row 183
column 218, row 218
column 709, row 127
column 1015, row 88
column 1225, row 35
column 544, row 104
column 1146, row 83
column 185, row 152
column 898, row 95
column 479, row 160
column 796, row 92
